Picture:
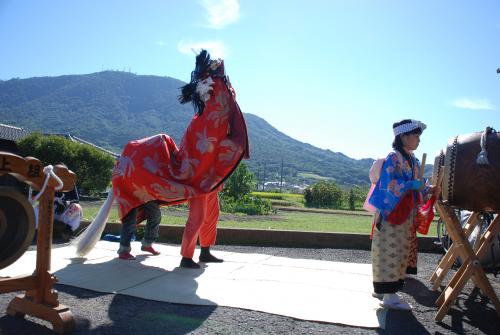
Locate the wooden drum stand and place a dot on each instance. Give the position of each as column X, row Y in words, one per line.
column 471, row 267
column 40, row 299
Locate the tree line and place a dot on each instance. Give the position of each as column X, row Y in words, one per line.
column 327, row 194
column 93, row 169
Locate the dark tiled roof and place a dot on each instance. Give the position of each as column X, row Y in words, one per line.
column 12, row 133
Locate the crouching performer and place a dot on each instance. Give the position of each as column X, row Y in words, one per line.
column 154, row 172
column 397, row 197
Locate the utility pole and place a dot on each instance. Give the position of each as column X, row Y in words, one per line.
column 258, row 177
column 264, row 181
column 281, row 176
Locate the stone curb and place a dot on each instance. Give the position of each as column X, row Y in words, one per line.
column 277, row 238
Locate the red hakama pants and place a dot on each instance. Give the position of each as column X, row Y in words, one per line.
column 201, row 222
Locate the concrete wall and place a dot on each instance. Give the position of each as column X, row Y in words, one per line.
column 279, row 238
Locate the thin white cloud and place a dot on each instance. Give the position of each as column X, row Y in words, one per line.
column 215, row 48
column 221, row 12
column 160, row 43
column 477, row 104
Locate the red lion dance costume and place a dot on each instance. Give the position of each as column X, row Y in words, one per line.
column 154, row 168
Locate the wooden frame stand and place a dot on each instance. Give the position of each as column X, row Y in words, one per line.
column 471, row 267
column 40, row 299
column 451, row 255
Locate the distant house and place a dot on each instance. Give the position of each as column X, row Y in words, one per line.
column 284, row 186
column 273, row 185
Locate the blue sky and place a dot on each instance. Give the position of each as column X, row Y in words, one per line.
column 335, row 74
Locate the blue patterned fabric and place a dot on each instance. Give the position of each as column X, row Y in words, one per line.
column 396, row 178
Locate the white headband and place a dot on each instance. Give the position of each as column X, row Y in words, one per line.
column 407, row 127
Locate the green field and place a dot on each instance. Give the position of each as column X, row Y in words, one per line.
column 282, row 199
column 283, row 220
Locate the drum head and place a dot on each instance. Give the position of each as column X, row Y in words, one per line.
column 448, row 170
column 17, row 225
column 469, row 183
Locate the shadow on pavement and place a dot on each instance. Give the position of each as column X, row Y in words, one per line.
column 473, row 309
column 397, row 321
column 115, row 313
column 137, row 316
column 419, row 291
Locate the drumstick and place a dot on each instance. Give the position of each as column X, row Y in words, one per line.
column 422, row 166
column 440, row 177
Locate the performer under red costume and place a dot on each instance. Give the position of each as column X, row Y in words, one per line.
column 202, row 223
column 155, row 169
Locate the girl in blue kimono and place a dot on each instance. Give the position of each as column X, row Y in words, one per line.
column 396, row 196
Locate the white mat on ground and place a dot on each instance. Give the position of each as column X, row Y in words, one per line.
column 304, row 289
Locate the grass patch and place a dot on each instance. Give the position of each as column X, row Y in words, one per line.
column 282, row 199
column 303, row 221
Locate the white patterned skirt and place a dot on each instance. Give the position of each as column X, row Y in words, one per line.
column 390, row 250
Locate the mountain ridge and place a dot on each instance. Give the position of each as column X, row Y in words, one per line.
column 110, row 108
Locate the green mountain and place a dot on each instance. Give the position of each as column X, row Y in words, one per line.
column 112, row 107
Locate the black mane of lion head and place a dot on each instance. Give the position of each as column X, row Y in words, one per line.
column 205, row 67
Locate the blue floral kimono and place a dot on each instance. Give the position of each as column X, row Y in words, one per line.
column 393, row 186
